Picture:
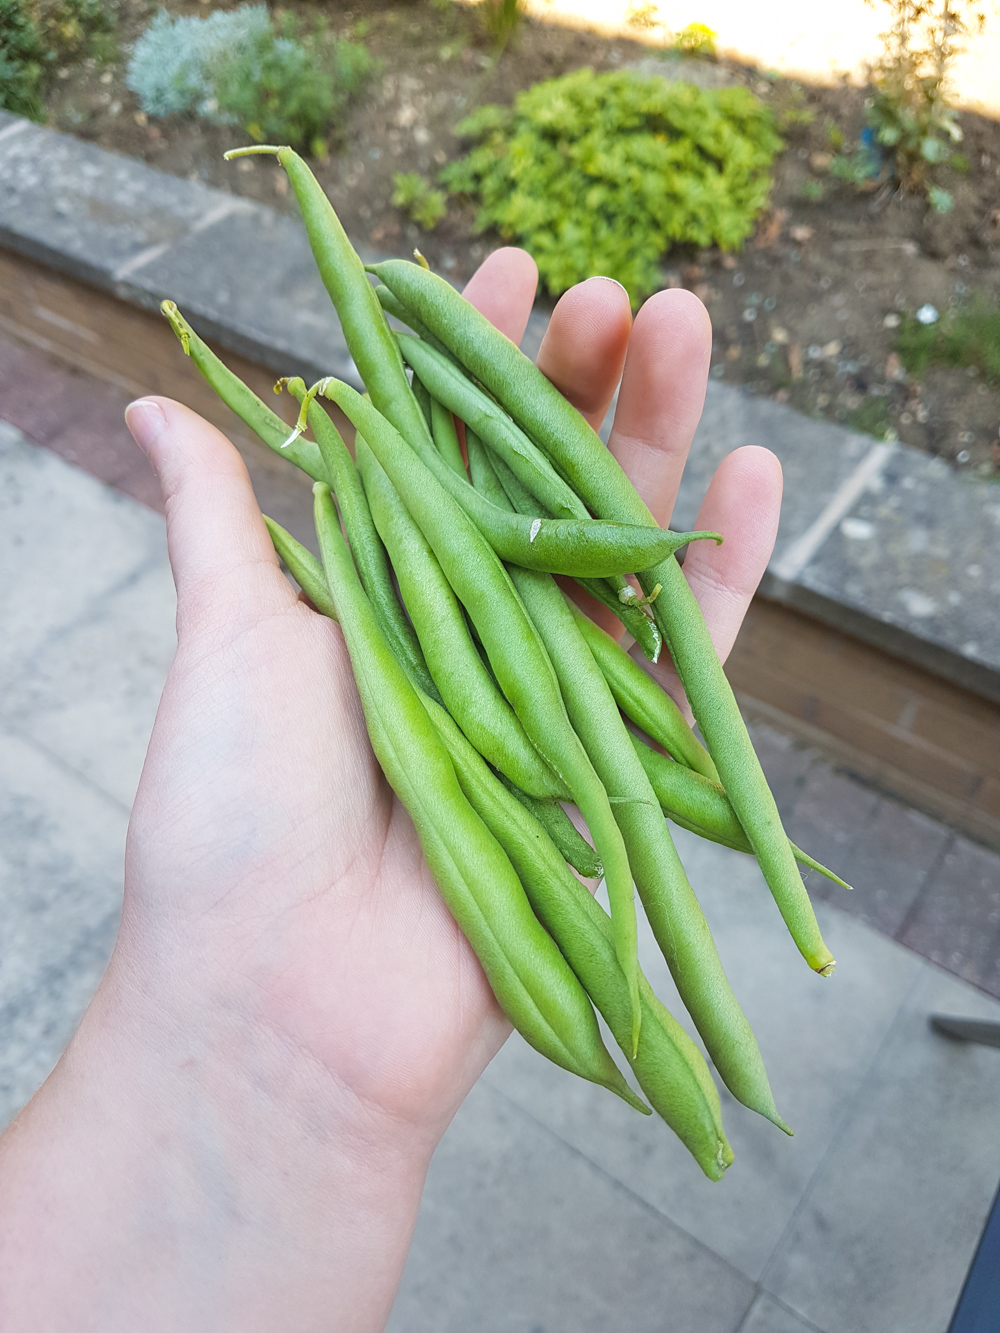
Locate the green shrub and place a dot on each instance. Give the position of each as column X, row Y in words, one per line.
column 278, row 83
column 421, row 203
column 21, row 56
column 909, row 114
column 72, row 29
column 602, row 173
column 290, row 87
column 966, row 337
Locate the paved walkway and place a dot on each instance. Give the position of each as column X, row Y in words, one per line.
column 550, row 1207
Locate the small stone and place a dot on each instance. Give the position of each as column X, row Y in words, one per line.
column 801, row 234
column 894, row 367
column 917, row 603
column 927, row 314
column 820, row 162
column 857, row 529
column 832, row 349
column 140, row 118
column 779, row 335
column 750, row 314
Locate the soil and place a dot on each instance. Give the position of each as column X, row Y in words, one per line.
column 807, row 313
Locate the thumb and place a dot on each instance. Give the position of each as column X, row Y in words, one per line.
column 224, row 566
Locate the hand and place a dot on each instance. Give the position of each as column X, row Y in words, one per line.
column 291, row 1017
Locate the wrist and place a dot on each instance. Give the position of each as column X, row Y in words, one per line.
column 187, row 1165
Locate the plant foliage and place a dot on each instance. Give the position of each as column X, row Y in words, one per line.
column 291, row 86
column 966, row 337
column 602, row 173
column 278, row 82
column 21, row 56
column 417, row 198
column 910, row 115
column 72, row 29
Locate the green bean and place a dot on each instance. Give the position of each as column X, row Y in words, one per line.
column 642, row 627
column 669, row 1067
column 303, row 566
column 423, row 399
column 610, row 591
column 398, row 311
column 530, row 979
column 446, row 437
column 465, row 686
column 579, row 454
column 366, row 545
column 701, row 805
column 447, row 383
column 366, row 331
column 265, row 424
column 671, row 906
column 562, row 546
column 641, row 699
column 515, row 651
column 573, row 846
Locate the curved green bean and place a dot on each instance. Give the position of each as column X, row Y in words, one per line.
column 366, row 545
column 560, row 546
column 252, row 411
column 610, row 591
column 701, row 805
column 449, row 385
column 423, row 399
column 303, row 566
column 394, row 307
column 366, row 331
column 580, row 455
column 640, row 698
column 466, row 687
column 572, row 845
column 446, row 438
column 672, row 909
column 669, row 1067
column 532, row 981
column 515, row 651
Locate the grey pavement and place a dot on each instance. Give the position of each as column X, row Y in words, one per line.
column 550, row 1206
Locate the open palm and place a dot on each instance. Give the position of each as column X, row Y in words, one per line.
column 269, row 865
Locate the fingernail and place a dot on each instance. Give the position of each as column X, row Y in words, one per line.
column 146, row 421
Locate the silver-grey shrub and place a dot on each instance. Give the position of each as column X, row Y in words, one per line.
column 171, row 68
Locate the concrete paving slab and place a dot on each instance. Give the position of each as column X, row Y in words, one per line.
column 61, row 848
column 95, row 212
column 917, row 551
column 90, row 693
column 884, row 1239
column 55, row 519
column 266, row 298
column 885, row 849
column 519, row 1234
column 817, row 1037
column 816, row 457
column 767, row 1315
column 550, row 1205
column 956, row 922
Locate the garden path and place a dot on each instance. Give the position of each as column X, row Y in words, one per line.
column 550, row 1207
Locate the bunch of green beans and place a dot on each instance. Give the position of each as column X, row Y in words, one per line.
column 492, row 700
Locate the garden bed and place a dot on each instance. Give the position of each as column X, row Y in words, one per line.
column 809, row 312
